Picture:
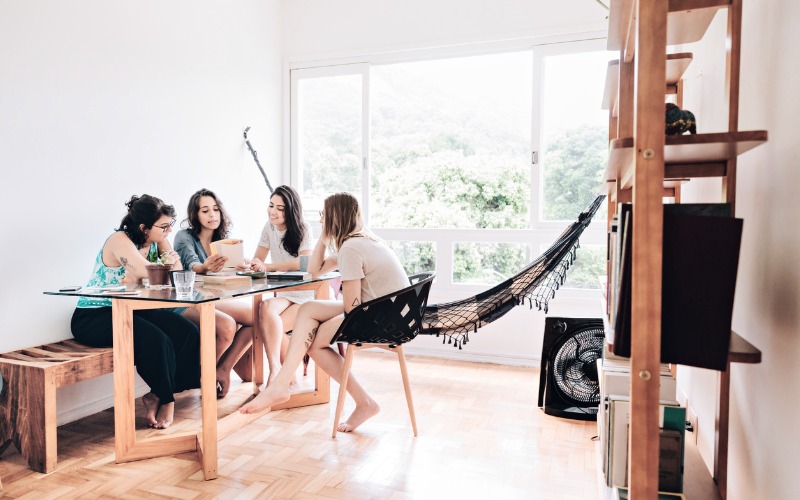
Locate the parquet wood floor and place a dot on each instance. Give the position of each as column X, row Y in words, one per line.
column 481, row 436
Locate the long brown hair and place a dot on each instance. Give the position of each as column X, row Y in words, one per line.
column 342, row 219
column 193, row 220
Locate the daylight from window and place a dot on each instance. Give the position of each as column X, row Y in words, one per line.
column 449, row 157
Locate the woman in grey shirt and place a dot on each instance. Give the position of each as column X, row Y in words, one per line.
column 207, row 222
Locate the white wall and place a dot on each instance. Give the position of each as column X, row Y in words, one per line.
column 102, row 99
column 764, row 401
column 320, row 28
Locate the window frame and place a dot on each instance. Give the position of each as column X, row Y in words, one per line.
column 539, row 232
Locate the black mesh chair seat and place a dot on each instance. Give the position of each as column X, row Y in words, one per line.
column 387, row 322
column 393, row 319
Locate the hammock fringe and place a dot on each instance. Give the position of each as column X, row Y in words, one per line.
column 537, row 283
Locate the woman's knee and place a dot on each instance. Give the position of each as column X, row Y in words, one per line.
column 226, row 328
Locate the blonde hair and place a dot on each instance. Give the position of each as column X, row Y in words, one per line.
column 342, row 220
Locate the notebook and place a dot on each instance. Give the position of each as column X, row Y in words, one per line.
column 289, row 275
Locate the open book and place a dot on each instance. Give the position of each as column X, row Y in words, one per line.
column 232, row 249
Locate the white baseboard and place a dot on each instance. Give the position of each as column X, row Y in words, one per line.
column 104, row 401
column 475, row 357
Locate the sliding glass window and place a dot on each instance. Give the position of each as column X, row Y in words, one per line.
column 466, row 165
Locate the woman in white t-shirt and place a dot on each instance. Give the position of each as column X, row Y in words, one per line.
column 369, row 270
column 286, row 236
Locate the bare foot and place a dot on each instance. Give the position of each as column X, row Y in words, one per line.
column 223, row 382
column 361, row 414
column 244, row 367
column 268, row 398
column 150, row 401
column 165, row 415
column 294, row 385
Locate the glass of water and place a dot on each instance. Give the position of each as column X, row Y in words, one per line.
column 184, row 283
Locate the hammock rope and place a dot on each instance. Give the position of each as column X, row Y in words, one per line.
column 536, row 283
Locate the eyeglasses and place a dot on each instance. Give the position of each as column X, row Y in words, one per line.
column 321, row 214
column 166, row 227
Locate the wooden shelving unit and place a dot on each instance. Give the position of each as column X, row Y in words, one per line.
column 675, row 67
column 699, row 155
column 645, row 166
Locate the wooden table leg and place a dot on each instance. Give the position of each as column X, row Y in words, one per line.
column 257, row 349
column 124, row 395
column 208, row 392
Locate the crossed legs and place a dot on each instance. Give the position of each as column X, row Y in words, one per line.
column 277, row 317
column 316, row 323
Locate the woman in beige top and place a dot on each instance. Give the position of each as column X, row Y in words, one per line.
column 369, row 270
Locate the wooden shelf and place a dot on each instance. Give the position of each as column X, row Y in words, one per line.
column 739, row 350
column 670, row 186
column 676, row 67
column 698, row 155
column 742, row 351
column 650, row 28
column 697, row 481
column 687, row 22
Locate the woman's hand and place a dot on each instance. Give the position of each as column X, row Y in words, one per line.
column 257, row 265
column 173, row 256
column 215, row 263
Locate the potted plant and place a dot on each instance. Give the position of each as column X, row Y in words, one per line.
column 158, row 271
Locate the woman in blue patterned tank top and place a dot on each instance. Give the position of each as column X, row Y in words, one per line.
column 166, row 346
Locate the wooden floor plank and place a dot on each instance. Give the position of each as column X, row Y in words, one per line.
column 481, row 435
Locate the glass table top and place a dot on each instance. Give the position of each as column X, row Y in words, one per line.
column 202, row 292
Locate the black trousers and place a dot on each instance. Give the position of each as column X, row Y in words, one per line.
column 166, row 346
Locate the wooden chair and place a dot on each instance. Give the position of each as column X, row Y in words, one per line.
column 387, row 322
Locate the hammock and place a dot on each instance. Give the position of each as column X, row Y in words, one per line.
column 537, row 282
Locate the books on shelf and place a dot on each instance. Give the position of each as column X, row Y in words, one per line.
column 699, row 263
column 614, row 376
column 622, row 494
column 672, row 418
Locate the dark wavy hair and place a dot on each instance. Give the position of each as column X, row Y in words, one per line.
column 192, row 220
column 143, row 210
column 293, row 213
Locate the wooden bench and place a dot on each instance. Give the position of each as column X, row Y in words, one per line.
column 28, row 400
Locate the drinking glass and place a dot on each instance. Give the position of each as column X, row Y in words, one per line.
column 184, row 283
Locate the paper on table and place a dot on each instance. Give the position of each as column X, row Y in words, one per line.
column 103, row 289
column 121, row 292
column 232, row 249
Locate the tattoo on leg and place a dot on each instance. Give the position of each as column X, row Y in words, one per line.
column 310, row 338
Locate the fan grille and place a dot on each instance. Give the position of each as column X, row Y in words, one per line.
column 575, row 367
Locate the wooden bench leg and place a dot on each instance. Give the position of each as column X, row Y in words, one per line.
column 28, row 415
